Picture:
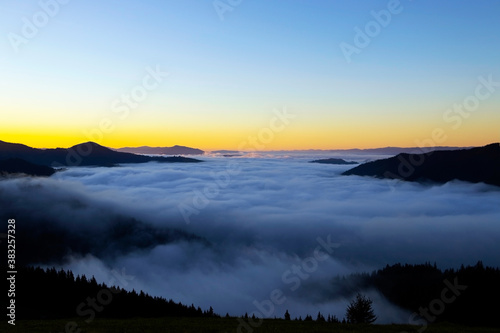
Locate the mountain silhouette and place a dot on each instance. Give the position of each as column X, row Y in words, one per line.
column 85, row 154
column 378, row 151
column 481, row 164
column 20, row 166
column 175, row 150
column 333, row 161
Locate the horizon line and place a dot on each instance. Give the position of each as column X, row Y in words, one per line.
column 255, row 150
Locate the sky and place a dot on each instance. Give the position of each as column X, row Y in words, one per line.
column 243, row 224
column 222, row 74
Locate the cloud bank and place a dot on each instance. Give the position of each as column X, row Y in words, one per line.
column 257, row 226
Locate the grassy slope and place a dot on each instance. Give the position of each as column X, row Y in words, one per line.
column 200, row 325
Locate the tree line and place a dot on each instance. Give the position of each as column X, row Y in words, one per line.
column 469, row 295
column 50, row 294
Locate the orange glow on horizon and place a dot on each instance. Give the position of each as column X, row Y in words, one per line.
column 234, row 141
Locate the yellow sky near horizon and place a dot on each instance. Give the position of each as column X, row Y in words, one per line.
column 292, row 138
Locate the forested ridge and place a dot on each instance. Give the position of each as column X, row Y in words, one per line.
column 50, row 294
column 468, row 295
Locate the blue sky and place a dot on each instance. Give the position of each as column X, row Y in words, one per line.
column 226, row 76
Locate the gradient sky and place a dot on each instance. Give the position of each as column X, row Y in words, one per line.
column 227, row 76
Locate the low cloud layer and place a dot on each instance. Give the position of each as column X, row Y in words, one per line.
column 228, row 233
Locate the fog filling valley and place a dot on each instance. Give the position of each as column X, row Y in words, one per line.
column 228, row 232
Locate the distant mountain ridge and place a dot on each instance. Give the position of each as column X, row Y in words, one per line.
column 175, row 150
column 384, row 150
column 356, row 151
column 481, row 164
column 85, row 154
column 338, row 161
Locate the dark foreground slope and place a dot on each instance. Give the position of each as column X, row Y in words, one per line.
column 465, row 295
column 49, row 294
column 19, row 166
column 474, row 165
column 85, row 154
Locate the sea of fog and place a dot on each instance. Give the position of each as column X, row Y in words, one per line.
column 272, row 230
